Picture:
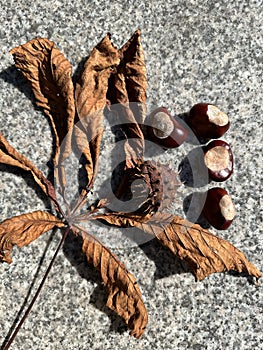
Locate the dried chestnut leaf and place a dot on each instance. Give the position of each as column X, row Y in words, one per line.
column 128, row 84
column 134, row 139
column 135, row 75
column 23, row 229
column 90, row 97
column 203, row 252
column 49, row 74
column 10, row 156
column 124, row 297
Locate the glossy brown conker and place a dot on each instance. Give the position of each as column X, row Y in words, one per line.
column 219, row 209
column 164, row 130
column 219, row 160
column 207, row 121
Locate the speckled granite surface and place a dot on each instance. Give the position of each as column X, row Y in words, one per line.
column 195, row 51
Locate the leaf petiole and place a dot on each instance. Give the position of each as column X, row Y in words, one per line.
column 20, row 324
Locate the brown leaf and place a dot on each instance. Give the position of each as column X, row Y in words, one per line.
column 203, row 252
column 128, row 84
column 134, row 144
column 135, row 75
column 90, row 95
column 49, row 74
column 10, row 156
column 24, row 229
column 124, row 297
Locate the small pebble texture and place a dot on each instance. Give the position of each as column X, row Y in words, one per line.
column 196, row 51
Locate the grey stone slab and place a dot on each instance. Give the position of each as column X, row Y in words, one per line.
column 195, row 51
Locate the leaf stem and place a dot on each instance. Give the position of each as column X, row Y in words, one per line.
column 38, row 290
column 81, row 201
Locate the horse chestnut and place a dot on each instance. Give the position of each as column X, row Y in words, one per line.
column 219, row 209
column 207, row 121
column 218, row 159
column 164, row 130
